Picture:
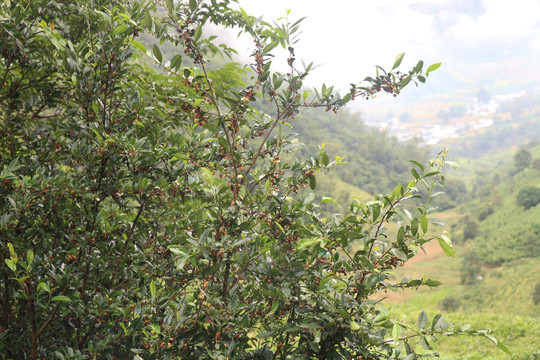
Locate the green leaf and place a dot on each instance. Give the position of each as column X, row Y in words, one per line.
column 424, row 223
column 414, row 226
column 420, row 166
column 265, row 334
column 424, row 342
column 60, row 298
column 138, row 45
column 344, row 313
column 452, row 164
column 12, row 264
column 312, row 182
column 325, row 200
column 415, row 174
column 153, row 289
column 170, row 5
column 29, row 257
column 157, row 53
column 176, row 61
column 418, row 68
column 354, row 326
column 11, row 250
column 408, row 213
column 275, row 305
column 405, row 82
column 192, row 5
column 376, row 209
column 400, row 235
column 398, row 60
column 498, row 343
column 120, row 29
column 197, row 34
column 396, row 332
column 324, row 159
column 422, row 320
column 432, row 283
column 446, row 245
column 437, row 322
column 433, row 67
column 43, row 286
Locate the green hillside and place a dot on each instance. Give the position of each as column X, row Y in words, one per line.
column 494, row 283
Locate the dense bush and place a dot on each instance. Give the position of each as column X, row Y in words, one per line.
column 450, row 303
column 522, row 159
column 151, row 212
column 529, row 196
column 470, row 230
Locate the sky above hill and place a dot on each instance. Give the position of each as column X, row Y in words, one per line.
column 479, row 42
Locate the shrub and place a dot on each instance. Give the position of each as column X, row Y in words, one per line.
column 529, row 196
column 536, row 294
column 153, row 213
column 470, row 230
column 450, row 303
column 522, row 159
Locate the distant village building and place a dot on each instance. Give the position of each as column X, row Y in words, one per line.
column 479, row 115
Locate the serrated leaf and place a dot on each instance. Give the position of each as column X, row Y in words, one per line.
column 424, row 223
column 398, row 60
column 325, row 159
column 170, row 5
column 312, row 182
column 414, row 226
column 120, row 29
column 43, row 286
column 157, row 53
column 418, row 164
column 498, row 343
column 400, row 235
column 437, row 322
column 176, row 61
column 396, row 332
column 422, row 320
column 376, row 209
column 418, row 68
column 425, row 343
column 138, row 45
column 29, row 257
column 446, row 245
column 405, row 82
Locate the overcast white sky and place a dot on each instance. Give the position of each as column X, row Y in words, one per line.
column 470, row 37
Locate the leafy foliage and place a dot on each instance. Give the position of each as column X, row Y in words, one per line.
column 152, row 213
column 522, row 159
column 529, row 196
